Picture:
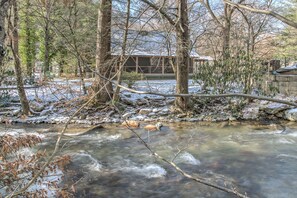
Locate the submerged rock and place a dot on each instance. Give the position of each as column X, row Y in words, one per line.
column 187, row 158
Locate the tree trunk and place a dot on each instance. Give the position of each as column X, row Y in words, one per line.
column 226, row 41
column 119, row 76
column 103, row 54
column 79, row 65
column 29, row 43
column 17, row 63
column 182, row 62
column 227, row 32
column 3, row 13
column 46, row 67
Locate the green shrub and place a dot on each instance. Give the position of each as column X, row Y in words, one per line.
column 131, row 77
column 238, row 73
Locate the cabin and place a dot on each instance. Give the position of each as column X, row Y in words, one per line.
column 285, row 79
column 153, row 53
column 289, row 70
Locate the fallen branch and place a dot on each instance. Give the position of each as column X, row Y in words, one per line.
column 213, row 96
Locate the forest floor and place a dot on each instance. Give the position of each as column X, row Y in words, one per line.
column 55, row 101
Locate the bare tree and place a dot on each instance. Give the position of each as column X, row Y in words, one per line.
column 181, row 25
column 225, row 25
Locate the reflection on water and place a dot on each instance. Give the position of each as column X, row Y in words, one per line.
column 257, row 159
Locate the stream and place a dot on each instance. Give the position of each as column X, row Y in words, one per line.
column 257, row 159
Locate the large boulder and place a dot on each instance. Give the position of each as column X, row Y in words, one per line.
column 291, row 114
column 274, row 108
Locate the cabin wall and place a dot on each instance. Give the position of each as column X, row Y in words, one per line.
column 285, row 84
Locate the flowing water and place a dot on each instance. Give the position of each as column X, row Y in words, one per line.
column 260, row 160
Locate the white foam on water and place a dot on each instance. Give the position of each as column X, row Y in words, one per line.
column 149, row 171
column 87, row 160
column 287, row 156
column 292, row 134
column 267, row 133
column 187, row 158
column 285, row 141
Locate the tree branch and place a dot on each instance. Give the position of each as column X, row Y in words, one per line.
column 161, row 11
column 215, row 18
column 267, row 12
column 214, row 96
column 178, row 169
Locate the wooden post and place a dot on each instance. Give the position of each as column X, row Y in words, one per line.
column 137, row 64
column 163, row 65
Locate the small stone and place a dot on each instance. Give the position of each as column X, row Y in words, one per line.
column 139, row 118
column 181, row 115
column 145, row 111
column 16, row 112
column 194, row 119
column 231, row 118
column 127, row 115
column 151, row 114
column 141, row 102
column 37, row 107
column 127, row 101
column 45, row 112
column 155, row 110
column 82, row 117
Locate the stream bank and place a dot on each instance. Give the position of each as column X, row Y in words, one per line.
column 59, row 99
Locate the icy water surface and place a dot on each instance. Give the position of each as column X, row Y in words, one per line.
column 258, row 159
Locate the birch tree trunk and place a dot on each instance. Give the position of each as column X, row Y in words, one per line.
column 103, row 54
column 14, row 36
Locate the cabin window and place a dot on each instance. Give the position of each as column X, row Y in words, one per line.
column 156, row 65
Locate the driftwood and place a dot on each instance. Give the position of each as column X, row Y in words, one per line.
column 85, row 132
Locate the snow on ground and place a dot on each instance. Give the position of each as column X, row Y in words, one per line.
column 62, row 89
column 158, row 86
column 57, row 100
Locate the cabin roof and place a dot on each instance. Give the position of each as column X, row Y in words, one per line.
column 287, row 69
column 148, row 43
